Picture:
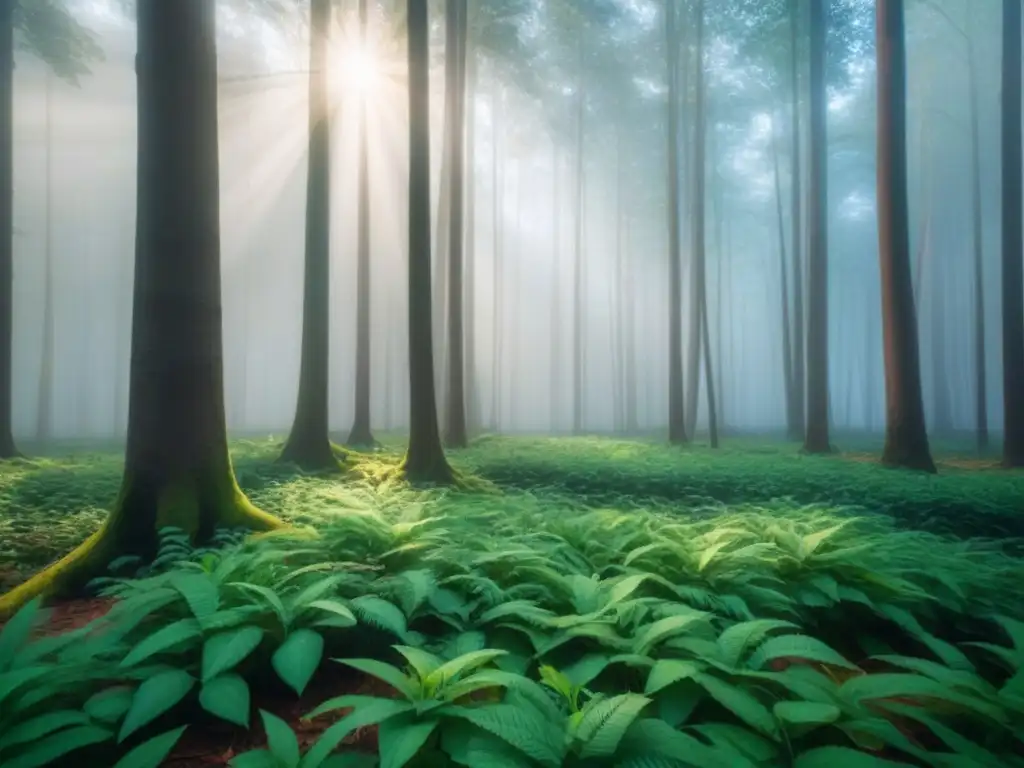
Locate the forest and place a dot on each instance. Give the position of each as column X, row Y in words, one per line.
column 511, row 383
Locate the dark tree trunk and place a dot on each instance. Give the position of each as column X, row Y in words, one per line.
column 308, row 445
column 177, row 467
column 44, row 413
column 455, row 65
column 799, row 331
column 817, row 437
column 1013, row 244
column 676, row 405
column 361, row 433
column 578, row 362
column 7, row 447
column 787, row 336
column 980, row 375
column 425, row 459
column 906, row 439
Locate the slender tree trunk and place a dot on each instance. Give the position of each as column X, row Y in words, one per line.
column 1013, row 246
column 676, row 406
column 718, row 207
column 693, row 331
column 796, row 239
column 442, row 240
column 699, row 222
column 361, row 433
column 943, row 424
column 308, row 445
column 787, row 336
column 906, row 439
column 578, row 394
column 473, row 417
column 7, row 447
column 44, row 413
column 632, row 420
column 177, row 467
column 425, row 459
column 980, row 376
column 615, row 291
column 926, row 221
column 556, row 307
column 498, row 284
column 456, row 433
column 817, row 438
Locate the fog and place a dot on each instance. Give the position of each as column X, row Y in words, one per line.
column 75, row 158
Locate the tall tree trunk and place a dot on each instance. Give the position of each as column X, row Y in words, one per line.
column 473, row 417
column 556, row 306
column 906, row 438
column 718, row 207
column 796, row 239
column 498, row 283
column 676, row 405
column 7, row 447
column 980, row 376
column 308, row 444
column 361, row 433
column 926, row 221
column 629, row 354
column 177, row 467
column 693, row 334
column 44, row 413
column 1013, row 241
column 817, row 438
column 578, row 393
column 699, row 222
column 455, row 71
column 787, row 337
column 943, row 424
column 615, row 291
column 425, row 459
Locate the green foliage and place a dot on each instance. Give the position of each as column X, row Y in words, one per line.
column 529, row 629
column 49, row 30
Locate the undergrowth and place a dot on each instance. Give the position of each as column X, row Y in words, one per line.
column 513, row 632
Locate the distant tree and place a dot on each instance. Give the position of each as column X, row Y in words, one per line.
column 456, row 434
column 308, row 444
column 177, row 466
column 816, row 439
column 361, row 433
column 424, row 459
column 906, row 439
column 1013, row 240
column 44, row 409
column 676, row 408
column 48, row 30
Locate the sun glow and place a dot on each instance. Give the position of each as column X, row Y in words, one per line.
column 357, row 70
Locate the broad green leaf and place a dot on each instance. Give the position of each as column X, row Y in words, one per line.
column 422, row 662
column 665, row 672
column 16, row 632
column 162, row 640
column 153, row 697
column 298, row 657
column 604, row 724
column 199, row 591
column 741, row 703
column 798, row 647
column 340, row 614
column 109, row 705
column 734, row 642
column 52, row 748
column 657, row 739
column 281, row 739
column 666, row 628
column 367, row 710
column 152, row 752
column 40, row 726
column 805, row 712
column 465, row 663
column 224, row 651
column 227, row 697
column 401, row 738
column 391, row 675
column 528, row 730
column 379, row 613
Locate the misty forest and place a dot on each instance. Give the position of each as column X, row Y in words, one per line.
column 511, row 383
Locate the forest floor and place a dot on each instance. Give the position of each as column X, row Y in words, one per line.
column 51, row 503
